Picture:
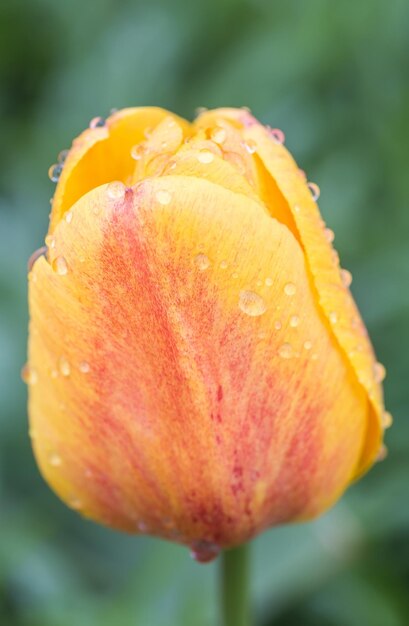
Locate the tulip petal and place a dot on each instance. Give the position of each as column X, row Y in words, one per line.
column 187, row 383
column 103, row 154
column 285, row 190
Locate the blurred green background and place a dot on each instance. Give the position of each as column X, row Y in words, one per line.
column 334, row 77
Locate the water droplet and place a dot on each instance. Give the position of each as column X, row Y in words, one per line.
column 218, row 135
column 314, row 357
column 329, row 235
column 379, row 372
column 55, row 459
column 382, row 453
column 315, row 190
column 346, row 278
column 223, row 265
column 277, row 135
column 204, row 551
column 54, row 172
column 308, row 345
column 60, row 266
column 97, row 122
column 84, row 367
column 62, row 156
column 54, row 373
column 202, row 262
column 387, row 420
column 285, row 351
column 75, row 503
column 163, row 197
column 302, row 174
column 290, row 289
column 250, row 146
column 50, row 241
column 36, row 255
column 68, row 217
column 64, row 366
column 278, row 325
column 269, row 282
column 251, row 303
column 333, row 317
column 29, row 375
column 297, row 209
column 136, row 152
column 205, row 156
column 294, row 321
column 235, row 275
column 116, row 190
column 200, row 110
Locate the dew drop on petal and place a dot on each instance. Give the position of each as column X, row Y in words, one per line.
column 218, row 135
column 379, row 372
column 223, row 265
column 200, row 110
column 205, row 156
column 64, row 366
column 387, row 419
column 315, row 190
column 97, row 122
column 285, row 351
column 68, row 217
column 204, row 551
column 235, row 275
column 60, row 266
column 290, row 289
column 29, row 375
column 382, row 453
column 294, row 321
column 250, row 146
column 50, row 241
column 277, row 325
column 346, row 278
column 136, row 152
column 116, row 190
column 333, row 317
column 163, row 197
column 308, row 345
column 54, row 172
column 329, row 235
column 277, row 135
column 251, row 303
column 268, row 282
column 75, row 503
column 84, row 367
column 62, row 155
column 202, row 262
column 55, row 459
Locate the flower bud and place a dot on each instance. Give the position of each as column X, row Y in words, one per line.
column 199, row 369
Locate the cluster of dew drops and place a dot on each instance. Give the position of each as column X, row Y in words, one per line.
column 249, row 302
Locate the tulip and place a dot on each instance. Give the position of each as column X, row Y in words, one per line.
column 198, row 369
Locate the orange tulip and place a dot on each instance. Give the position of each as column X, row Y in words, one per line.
column 197, row 369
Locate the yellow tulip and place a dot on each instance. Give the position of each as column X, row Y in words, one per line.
column 198, row 369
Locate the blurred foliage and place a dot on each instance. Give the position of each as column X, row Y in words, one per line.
column 333, row 75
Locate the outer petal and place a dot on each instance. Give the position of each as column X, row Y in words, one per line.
column 103, row 154
column 187, row 383
column 285, row 190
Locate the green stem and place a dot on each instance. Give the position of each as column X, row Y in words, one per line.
column 235, row 601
